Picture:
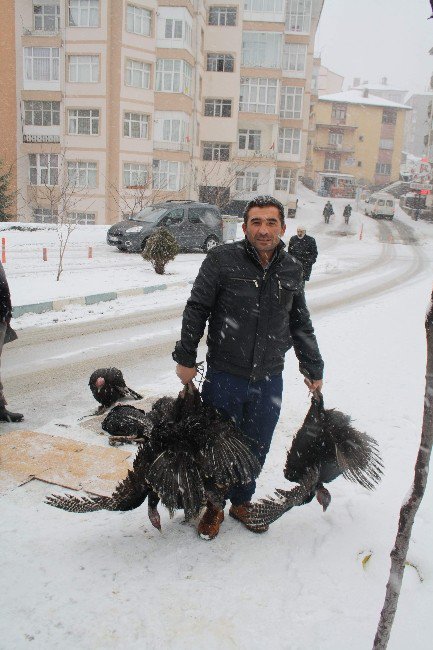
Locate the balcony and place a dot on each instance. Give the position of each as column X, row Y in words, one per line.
column 257, row 154
column 171, row 146
column 334, row 148
column 333, row 124
column 53, row 139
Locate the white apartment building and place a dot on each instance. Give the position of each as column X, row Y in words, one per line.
column 124, row 102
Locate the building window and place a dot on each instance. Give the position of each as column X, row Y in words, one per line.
column 138, row 20
column 291, row 102
column 264, row 6
column 218, row 107
column 222, row 16
column 84, row 69
column 383, row 168
column 135, row 125
column 82, row 218
column 42, row 113
column 216, row 151
column 173, row 76
column 289, row 140
column 220, row 63
column 295, row 58
column 174, row 130
column 45, row 215
column 46, row 17
column 285, row 180
column 167, row 175
column 173, row 28
column 389, row 116
column 386, row 144
column 298, row 16
column 261, row 49
column 258, row 95
column 134, row 175
column 44, row 169
column 247, row 181
column 41, row 63
column 332, row 164
column 335, row 138
column 83, row 13
column 338, row 112
column 359, row 163
column 82, row 174
column 249, row 139
column 137, row 74
column 83, row 121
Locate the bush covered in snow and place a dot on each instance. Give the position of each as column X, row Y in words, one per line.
column 161, row 248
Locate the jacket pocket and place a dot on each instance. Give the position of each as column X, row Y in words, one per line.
column 285, row 294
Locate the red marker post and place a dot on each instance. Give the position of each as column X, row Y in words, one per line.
column 360, row 232
column 90, row 253
column 3, row 250
column 44, row 254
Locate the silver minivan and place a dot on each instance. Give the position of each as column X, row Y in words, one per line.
column 380, row 205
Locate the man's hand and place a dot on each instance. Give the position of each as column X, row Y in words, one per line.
column 314, row 384
column 185, row 374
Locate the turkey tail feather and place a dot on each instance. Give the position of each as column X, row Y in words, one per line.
column 128, row 392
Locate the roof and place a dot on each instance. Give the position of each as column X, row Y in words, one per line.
column 373, row 87
column 357, row 97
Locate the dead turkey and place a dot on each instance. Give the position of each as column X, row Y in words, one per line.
column 325, row 447
column 191, row 453
column 108, row 386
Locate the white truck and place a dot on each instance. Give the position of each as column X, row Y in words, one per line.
column 380, row 204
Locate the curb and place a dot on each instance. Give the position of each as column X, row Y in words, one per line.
column 61, row 303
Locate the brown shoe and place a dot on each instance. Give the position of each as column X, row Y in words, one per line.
column 209, row 525
column 241, row 513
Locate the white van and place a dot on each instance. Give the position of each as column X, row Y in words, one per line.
column 380, row 204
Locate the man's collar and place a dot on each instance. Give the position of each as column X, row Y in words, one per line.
column 252, row 251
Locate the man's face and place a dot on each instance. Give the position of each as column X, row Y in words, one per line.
column 264, row 228
column 301, row 232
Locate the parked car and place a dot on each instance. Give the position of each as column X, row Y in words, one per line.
column 380, row 205
column 194, row 225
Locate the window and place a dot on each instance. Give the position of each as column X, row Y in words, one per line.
column 359, row 163
column 285, row 180
column 386, row 144
column 261, row 49
column 298, row 16
column 84, row 68
column 222, row 16
column 82, row 218
column 174, row 130
column 264, row 6
column 135, row 125
column 167, row 175
column 220, row 63
column 83, row 121
column 45, row 215
column 216, row 151
column 338, row 112
column 389, row 116
column 137, row 74
column 46, row 17
column 41, row 63
column 218, row 107
column 289, row 140
column 42, row 113
column 291, row 102
column 383, row 168
column 173, row 217
column 335, row 138
column 249, row 139
column 294, row 58
column 247, row 181
column 44, row 169
column 332, row 164
column 178, row 29
column 83, row 13
column 82, row 174
column 173, row 76
column 258, row 95
column 134, row 175
column 138, row 20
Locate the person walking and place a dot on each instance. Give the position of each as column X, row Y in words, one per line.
column 252, row 294
column 5, row 317
column 328, row 210
column 347, row 212
column 303, row 247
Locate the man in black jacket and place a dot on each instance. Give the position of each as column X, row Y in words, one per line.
column 252, row 294
column 5, row 317
column 304, row 249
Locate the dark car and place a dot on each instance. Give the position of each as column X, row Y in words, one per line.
column 195, row 226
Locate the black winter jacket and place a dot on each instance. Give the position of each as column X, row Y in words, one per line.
column 305, row 250
column 5, row 297
column 255, row 315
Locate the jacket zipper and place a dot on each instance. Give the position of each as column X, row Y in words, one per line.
column 247, row 280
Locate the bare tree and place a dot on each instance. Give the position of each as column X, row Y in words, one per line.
column 411, row 505
column 133, row 198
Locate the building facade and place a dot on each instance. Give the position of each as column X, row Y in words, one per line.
column 418, row 121
column 119, row 103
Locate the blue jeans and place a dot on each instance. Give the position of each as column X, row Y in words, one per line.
column 254, row 406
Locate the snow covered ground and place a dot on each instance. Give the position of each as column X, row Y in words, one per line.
column 110, row 581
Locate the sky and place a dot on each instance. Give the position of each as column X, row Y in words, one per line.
column 372, row 39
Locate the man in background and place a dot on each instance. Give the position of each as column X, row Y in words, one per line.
column 5, row 317
column 304, row 249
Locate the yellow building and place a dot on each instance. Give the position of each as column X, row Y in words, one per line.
column 357, row 142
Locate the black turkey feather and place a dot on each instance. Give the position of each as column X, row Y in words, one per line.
column 108, row 386
column 325, row 447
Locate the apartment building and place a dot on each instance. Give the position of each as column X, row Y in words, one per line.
column 124, row 102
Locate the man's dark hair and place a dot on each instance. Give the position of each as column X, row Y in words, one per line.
column 263, row 201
